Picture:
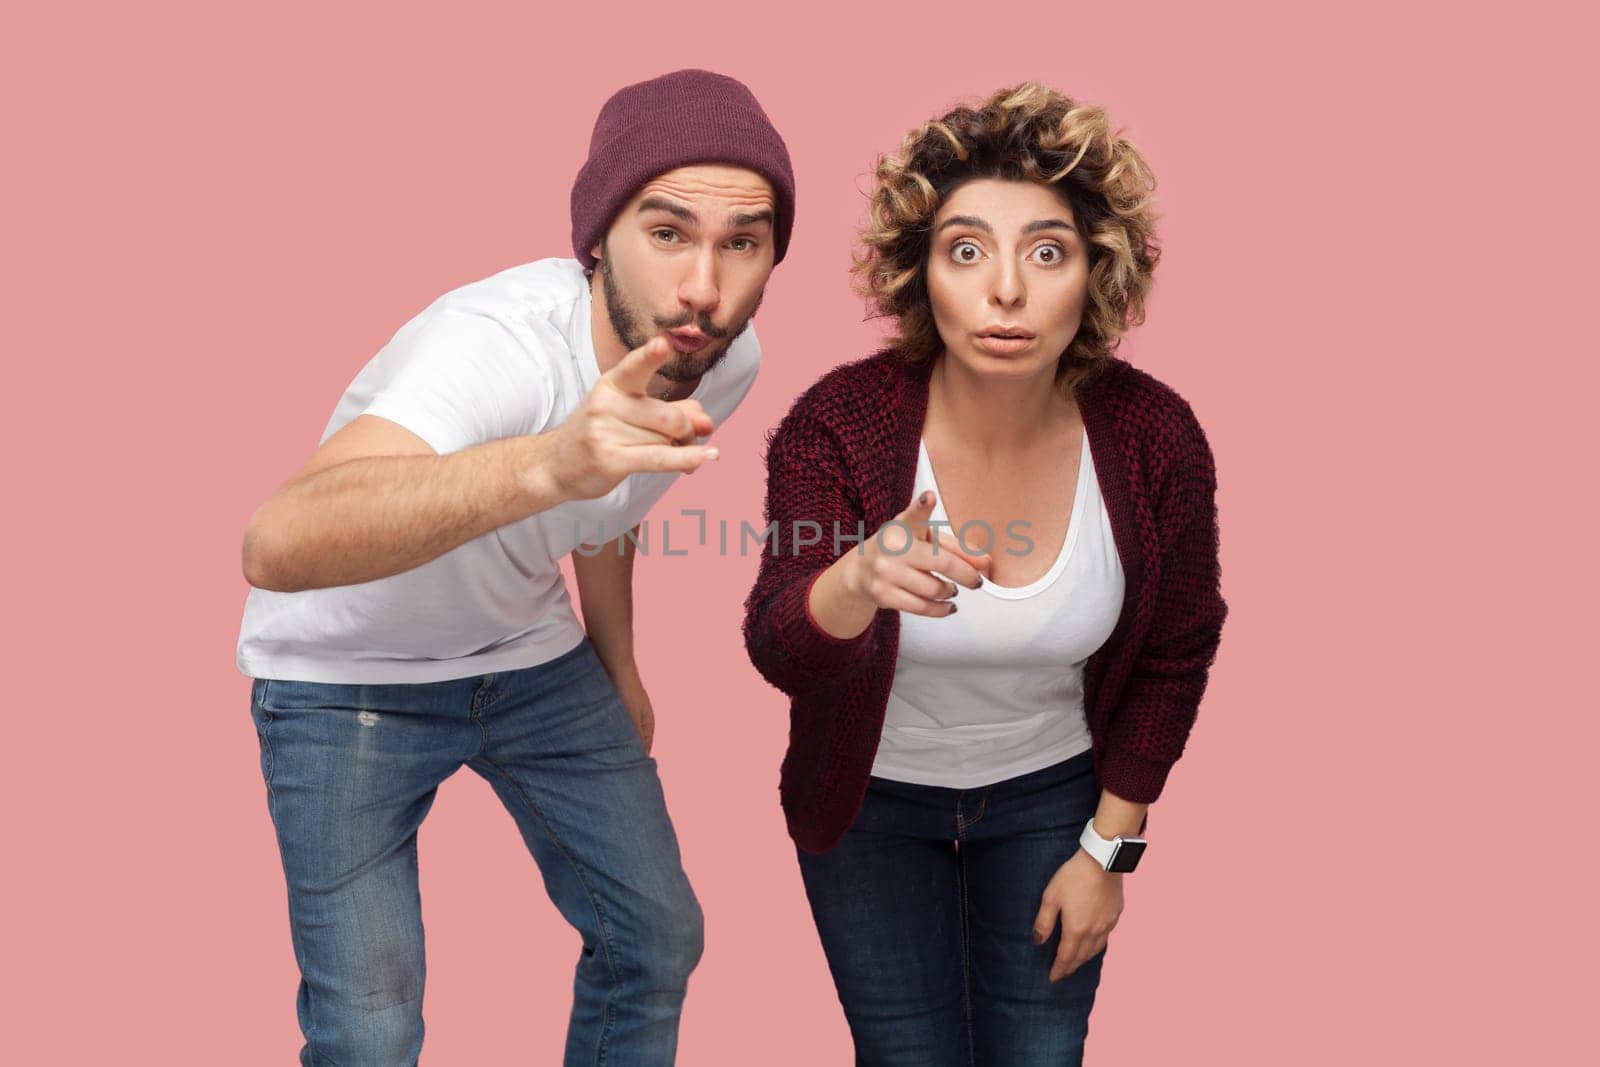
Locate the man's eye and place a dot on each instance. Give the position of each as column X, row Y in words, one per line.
column 742, row 244
column 667, row 235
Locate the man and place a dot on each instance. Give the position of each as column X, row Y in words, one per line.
column 409, row 616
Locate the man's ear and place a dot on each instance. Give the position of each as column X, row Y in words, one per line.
column 594, row 253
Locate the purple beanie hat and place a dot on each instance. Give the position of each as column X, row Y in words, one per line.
column 688, row 116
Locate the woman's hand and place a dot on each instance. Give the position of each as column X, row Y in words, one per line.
column 895, row 567
column 1087, row 900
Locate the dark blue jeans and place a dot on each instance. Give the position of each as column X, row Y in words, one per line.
column 926, row 910
column 351, row 772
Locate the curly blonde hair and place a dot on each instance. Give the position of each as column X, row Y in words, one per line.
column 1027, row 133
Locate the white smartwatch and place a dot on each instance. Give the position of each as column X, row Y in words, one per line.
column 1119, row 855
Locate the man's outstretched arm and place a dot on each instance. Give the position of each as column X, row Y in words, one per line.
column 375, row 499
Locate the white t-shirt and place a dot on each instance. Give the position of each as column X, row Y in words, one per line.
column 996, row 690
column 507, row 355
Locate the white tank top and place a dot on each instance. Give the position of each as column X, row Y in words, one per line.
column 996, row 690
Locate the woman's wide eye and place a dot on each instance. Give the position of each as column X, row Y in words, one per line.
column 965, row 252
column 1049, row 255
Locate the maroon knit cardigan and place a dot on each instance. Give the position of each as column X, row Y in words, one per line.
column 846, row 453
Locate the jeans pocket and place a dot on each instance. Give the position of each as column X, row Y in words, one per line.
column 263, row 723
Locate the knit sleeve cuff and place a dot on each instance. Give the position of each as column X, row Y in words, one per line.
column 804, row 639
column 1133, row 777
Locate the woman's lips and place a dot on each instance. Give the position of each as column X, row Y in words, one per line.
column 1002, row 346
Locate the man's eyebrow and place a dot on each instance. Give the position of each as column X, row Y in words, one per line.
column 750, row 218
column 671, row 207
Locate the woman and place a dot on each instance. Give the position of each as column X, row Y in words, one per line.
column 966, row 790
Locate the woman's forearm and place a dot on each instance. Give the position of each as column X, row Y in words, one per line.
column 838, row 611
column 1117, row 816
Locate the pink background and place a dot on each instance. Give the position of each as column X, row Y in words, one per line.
column 1377, row 227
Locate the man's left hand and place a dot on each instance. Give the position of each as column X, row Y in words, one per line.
column 637, row 701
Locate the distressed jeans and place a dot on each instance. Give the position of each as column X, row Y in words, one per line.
column 351, row 771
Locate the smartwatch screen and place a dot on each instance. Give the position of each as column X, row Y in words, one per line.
column 1127, row 857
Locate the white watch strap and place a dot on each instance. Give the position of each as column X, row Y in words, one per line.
column 1097, row 846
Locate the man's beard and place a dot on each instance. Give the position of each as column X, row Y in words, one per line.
column 683, row 366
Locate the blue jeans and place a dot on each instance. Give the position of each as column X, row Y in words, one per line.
column 351, row 772
column 926, row 909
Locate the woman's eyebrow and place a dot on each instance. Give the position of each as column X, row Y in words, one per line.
column 1032, row 227
column 964, row 220
column 1049, row 224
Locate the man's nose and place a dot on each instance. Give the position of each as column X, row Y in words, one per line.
column 700, row 290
